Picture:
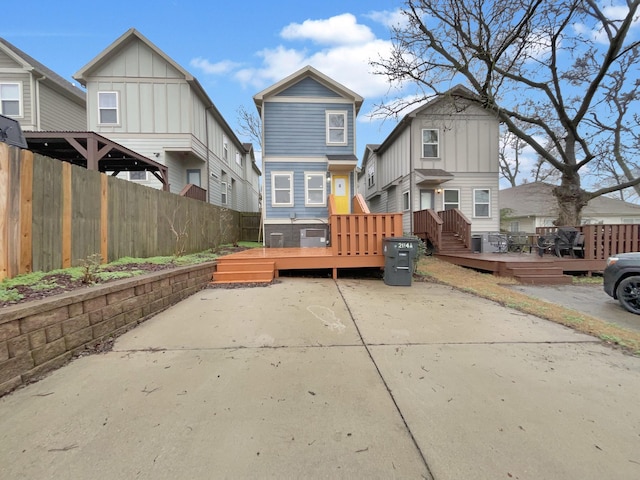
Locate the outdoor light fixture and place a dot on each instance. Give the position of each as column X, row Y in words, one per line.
column 438, row 191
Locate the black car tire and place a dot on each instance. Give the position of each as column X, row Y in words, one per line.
column 628, row 293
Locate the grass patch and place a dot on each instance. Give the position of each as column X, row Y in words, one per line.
column 493, row 288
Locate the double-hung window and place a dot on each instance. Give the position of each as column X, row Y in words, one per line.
column 108, row 108
column 282, row 189
column 315, row 189
column 430, row 143
column 336, row 127
column 481, row 202
column 371, row 176
column 451, row 199
column 10, row 99
column 406, row 200
column 225, row 149
column 223, row 193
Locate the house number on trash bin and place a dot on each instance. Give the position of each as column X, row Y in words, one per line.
column 405, row 245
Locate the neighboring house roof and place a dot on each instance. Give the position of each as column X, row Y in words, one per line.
column 248, row 148
column 132, row 35
column 307, row 71
column 537, row 200
column 459, row 91
column 41, row 71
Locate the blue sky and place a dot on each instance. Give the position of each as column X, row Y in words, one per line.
column 234, row 48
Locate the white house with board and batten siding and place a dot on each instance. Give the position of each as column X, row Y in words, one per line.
column 139, row 97
column 442, row 155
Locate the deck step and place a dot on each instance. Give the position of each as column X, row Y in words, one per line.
column 533, row 270
column 257, row 271
column 542, row 279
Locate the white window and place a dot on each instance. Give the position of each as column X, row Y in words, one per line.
column 193, row 177
column 451, row 199
column 223, row 193
column 371, row 175
column 315, row 189
column 481, row 202
column 238, row 158
column 10, row 99
column 406, row 200
column 282, row 189
column 514, row 227
column 108, row 108
column 138, row 176
column 430, row 144
column 336, row 128
column 225, row 149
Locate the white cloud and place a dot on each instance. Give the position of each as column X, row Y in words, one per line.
column 389, row 19
column 218, row 68
column 339, row 30
column 348, row 65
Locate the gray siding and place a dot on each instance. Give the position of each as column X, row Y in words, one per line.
column 57, row 112
column 308, row 87
column 8, row 62
column 299, row 129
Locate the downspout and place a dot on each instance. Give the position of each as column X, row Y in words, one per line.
column 411, row 177
column 35, row 104
column 206, row 136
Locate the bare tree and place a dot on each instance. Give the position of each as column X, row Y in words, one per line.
column 509, row 156
column 555, row 66
column 250, row 126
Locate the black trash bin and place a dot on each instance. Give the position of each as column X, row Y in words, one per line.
column 399, row 254
column 476, row 243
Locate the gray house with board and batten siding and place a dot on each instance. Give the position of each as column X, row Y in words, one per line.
column 308, row 153
column 443, row 155
column 139, row 97
column 37, row 97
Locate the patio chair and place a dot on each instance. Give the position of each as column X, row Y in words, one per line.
column 565, row 241
column 498, row 241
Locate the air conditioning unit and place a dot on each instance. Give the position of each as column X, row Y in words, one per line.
column 313, row 237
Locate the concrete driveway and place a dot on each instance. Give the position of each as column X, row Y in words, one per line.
column 589, row 299
column 316, row 378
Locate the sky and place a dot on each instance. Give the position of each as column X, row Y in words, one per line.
column 234, row 48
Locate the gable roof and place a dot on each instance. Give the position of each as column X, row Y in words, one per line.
column 537, row 199
column 301, row 74
column 458, row 91
column 133, row 35
column 43, row 72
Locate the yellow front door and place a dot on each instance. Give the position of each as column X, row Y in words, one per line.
column 340, row 190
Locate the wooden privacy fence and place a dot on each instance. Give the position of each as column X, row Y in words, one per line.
column 54, row 215
column 602, row 241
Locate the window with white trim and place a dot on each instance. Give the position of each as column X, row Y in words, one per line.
column 406, row 200
column 225, row 148
column 336, row 127
column 238, row 158
column 108, row 108
column 514, row 226
column 371, row 175
column 282, row 189
column 430, row 147
column 223, row 193
column 451, row 199
column 193, row 176
column 10, row 104
column 315, row 185
column 482, row 202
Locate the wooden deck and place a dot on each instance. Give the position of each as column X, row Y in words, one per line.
column 265, row 264
column 525, row 267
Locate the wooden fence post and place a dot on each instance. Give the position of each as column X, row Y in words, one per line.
column 4, row 198
column 26, row 212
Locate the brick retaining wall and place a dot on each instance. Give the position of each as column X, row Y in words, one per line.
column 40, row 336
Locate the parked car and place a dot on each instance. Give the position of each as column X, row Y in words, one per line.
column 622, row 280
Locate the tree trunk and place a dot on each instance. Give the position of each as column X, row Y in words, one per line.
column 571, row 200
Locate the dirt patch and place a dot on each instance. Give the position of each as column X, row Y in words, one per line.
column 57, row 283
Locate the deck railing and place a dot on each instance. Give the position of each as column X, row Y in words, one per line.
column 602, row 241
column 361, row 233
column 429, row 225
column 193, row 191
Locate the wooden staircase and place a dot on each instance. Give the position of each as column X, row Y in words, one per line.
column 452, row 244
column 251, row 270
column 538, row 273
